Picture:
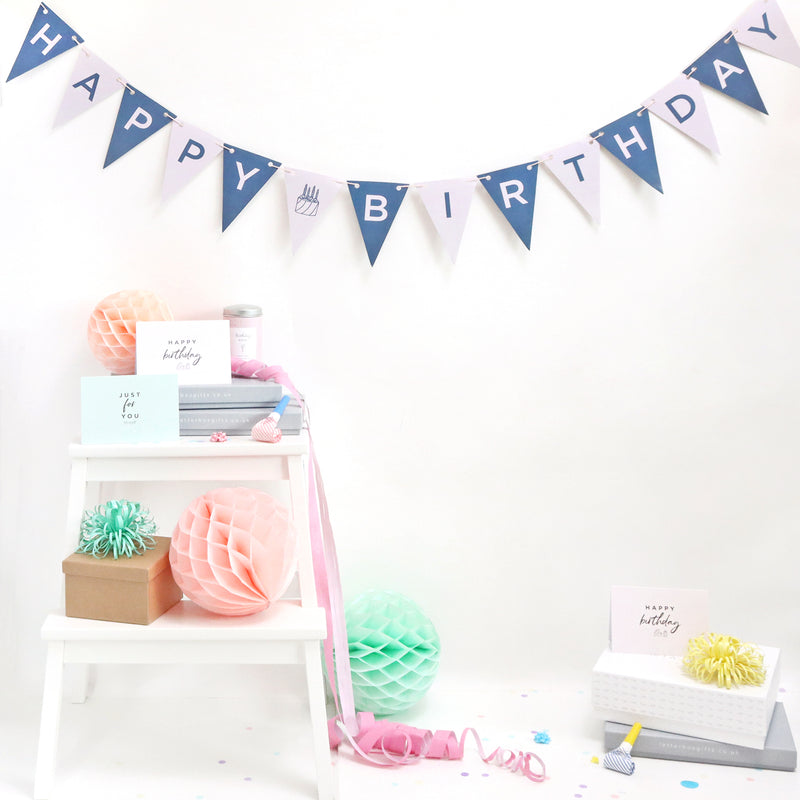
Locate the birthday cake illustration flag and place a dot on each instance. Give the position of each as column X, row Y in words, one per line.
column 448, row 204
column 763, row 27
column 308, row 196
column 244, row 174
column 576, row 167
column 376, row 204
column 190, row 151
column 630, row 140
column 513, row 190
column 49, row 36
column 681, row 103
column 722, row 67
column 91, row 82
column 138, row 119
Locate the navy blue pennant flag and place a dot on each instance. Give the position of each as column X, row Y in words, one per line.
column 722, row 67
column 138, row 118
column 513, row 190
column 376, row 205
column 49, row 36
column 243, row 175
column 630, row 139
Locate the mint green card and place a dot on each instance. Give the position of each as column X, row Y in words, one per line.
column 128, row 409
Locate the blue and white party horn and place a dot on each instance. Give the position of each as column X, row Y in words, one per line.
column 620, row 759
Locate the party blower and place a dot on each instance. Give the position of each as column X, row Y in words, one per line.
column 620, row 759
column 267, row 430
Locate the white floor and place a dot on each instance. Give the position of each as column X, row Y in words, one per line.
column 226, row 748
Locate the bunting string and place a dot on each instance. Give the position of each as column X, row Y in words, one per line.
column 576, row 166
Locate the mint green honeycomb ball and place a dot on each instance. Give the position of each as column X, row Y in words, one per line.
column 394, row 652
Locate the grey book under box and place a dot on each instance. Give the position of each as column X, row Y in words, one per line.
column 236, row 421
column 779, row 749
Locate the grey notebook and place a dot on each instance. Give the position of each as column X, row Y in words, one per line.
column 779, row 751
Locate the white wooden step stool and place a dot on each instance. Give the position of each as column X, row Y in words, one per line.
column 289, row 632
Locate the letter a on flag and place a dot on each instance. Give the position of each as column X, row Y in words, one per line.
column 577, row 169
column 243, row 175
column 722, row 67
column 49, row 36
column 681, row 103
column 376, row 205
column 763, row 27
column 190, row 151
column 91, row 82
column 448, row 204
column 513, row 190
column 630, row 139
column 138, row 118
column 308, row 196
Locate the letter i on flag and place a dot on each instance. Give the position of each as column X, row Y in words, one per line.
column 763, row 27
column 376, row 205
column 92, row 81
column 577, row 168
column 681, row 103
column 448, row 204
column 308, row 196
column 138, row 118
column 722, row 67
column 630, row 139
column 244, row 174
column 513, row 190
column 49, row 36
column 190, row 151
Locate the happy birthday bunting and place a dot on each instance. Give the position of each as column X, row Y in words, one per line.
column 577, row 168
column 189, row 152
column 49, row 36
column 308, row 196
column 630, row 139
column 763, row 27
column 244, row 174
column 448, row 204
column 376, row 205
column 513, row 190
column 138, row 119
column 91, row 82
column 681, row 103
column 722, row 67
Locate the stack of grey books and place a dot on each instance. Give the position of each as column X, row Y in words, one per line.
column 779, row 750
column 233, row 408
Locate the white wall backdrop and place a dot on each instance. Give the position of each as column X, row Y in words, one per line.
column 501, row 439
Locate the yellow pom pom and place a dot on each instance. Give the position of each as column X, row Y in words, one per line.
column 724, row 660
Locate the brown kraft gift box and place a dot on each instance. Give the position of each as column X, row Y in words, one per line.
column 138, row 589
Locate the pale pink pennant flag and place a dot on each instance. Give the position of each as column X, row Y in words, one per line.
column 308, row 196
column 681, row 103
column 577, row 167
column 91, row 82
column 448, row 204
column 190, row 151
column 763, row 27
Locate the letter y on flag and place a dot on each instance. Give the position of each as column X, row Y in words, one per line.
column 244, row 174
column 763, row 27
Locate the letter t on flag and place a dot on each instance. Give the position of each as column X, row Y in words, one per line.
column 49, row 36
column 376, row 205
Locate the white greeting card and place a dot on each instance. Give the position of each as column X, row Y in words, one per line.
column 128, row 409
column 654, row 621
column 197, row 351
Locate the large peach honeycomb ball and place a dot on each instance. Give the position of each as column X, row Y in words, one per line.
column 112, row 327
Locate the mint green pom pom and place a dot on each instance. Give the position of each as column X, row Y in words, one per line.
column 117, row 528
column 394, row 652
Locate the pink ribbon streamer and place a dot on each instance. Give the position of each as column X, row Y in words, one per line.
column 379, row 742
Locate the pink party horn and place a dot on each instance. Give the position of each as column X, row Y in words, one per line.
column 620, row 759
column 267, row 429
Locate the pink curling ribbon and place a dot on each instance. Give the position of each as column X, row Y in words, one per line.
column 219, row 436
column 267, row 430
column 380, row 742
